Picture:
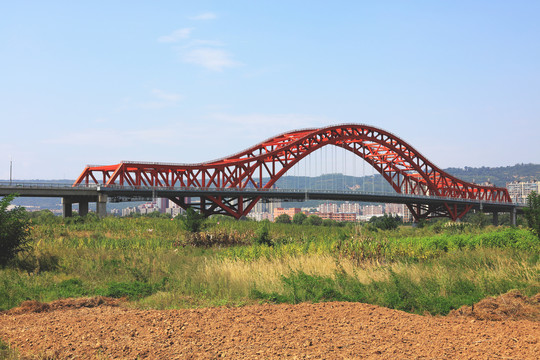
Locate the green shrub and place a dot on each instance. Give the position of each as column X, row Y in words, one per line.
column 262, row 236
column 14, row 230
column 132, row 290
column 299, row 218
column 70, row 288
column 314, row 220
column 283, row 219
column 192, row 221
column 385, row 222
column 532, row 212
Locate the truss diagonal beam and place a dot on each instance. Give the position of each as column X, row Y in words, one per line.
column 399, row 163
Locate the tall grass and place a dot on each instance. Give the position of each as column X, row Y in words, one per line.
column 156, row 264
column 433, row 286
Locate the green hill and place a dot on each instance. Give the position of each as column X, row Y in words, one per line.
column 498, row 176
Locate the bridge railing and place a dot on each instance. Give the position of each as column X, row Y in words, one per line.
column 44, row 185
column 281, row 190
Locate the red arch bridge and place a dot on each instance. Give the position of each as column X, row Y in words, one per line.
column 233, row 185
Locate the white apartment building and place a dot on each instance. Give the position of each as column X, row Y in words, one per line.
column 328, row 208
column 349, row 208
column 520, row 190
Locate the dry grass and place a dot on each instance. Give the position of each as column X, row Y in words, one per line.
column 492, row 265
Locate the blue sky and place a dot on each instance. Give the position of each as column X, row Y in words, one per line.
column 97, row 82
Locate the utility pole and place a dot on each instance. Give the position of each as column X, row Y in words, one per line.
column 10, row 170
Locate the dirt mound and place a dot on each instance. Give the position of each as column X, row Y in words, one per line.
column 32, row 306
column 510, row 306
column 332, row 330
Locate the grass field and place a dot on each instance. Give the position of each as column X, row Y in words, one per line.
column 156, row 264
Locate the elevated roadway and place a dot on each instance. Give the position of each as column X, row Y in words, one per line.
column 101, row 194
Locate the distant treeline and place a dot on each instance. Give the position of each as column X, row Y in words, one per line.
column 498, row 176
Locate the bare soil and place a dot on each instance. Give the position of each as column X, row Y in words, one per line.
column 506, row 327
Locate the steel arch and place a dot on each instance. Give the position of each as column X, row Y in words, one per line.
column 262, row 165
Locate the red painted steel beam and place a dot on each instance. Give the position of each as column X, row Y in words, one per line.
column 398, row 162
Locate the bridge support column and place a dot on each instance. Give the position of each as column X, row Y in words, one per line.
column 67, row 208
column 513, row 214
column 495, row 218
column 83, row 207
column 101, row 206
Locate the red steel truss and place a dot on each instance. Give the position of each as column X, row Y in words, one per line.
column 263, row 164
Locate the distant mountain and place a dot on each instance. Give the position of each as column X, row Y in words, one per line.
column 498, row 176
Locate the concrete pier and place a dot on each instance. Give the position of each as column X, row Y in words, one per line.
column 67, row 207
column 83, row 207
column 101, row 206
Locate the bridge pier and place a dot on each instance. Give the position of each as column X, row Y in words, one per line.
column 101, row 206
column 83, row 208
column 513, row 214
column 67, row 207
column 68, row 201
column 495, row 218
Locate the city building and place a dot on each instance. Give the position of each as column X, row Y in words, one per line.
column 520, row 190
column 264, row 210
column 373, row 210
column 328, row 208
column 291, row 212
column 350, row 217
column 396, row 209
column 347, row 207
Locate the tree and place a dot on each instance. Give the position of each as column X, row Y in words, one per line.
column 532, row 212
column 314, row 220
column 283, row 219
column 14, row 230
column 299, row 218
column 329, row 222
column 385, row 222
column 192, row 221
column 478, row 219
column 44, row 217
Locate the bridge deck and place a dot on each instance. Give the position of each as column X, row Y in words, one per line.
column 91, row 194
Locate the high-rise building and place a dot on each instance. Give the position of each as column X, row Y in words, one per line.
column 163, row 204
column 395, row 209
column 328, row 208
column 372, row 210
column 520, row 190
column 349, row 208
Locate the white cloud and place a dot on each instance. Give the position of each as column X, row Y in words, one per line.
column 200, row 52
column 176, row 35
column 199, row 43
column 204, row 16
column 212, row 59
